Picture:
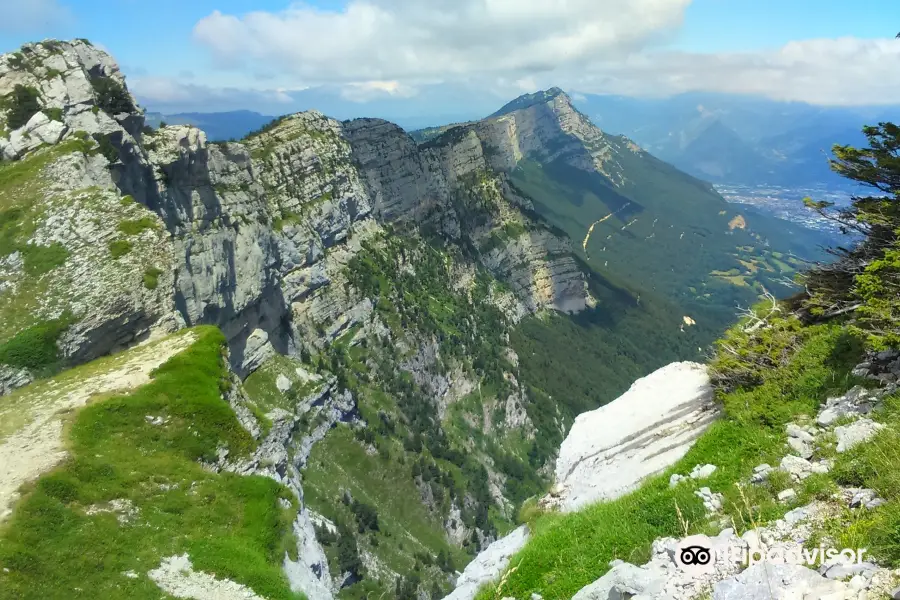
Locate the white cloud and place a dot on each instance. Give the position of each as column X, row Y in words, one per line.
column 33, row 15
column 164, row 93
column 847, row 71
column 369, row 90
column 412, row 40
column 511, row 46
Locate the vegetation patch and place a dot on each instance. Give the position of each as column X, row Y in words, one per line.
column 232, row 526
column 106, row 147
column 398, row 533
column 151, row 277
column 137, row 226
column 35, row 348
column 112, row 97
column 119, row 248
column 43, row 259
column 54, row 114
column 21, row 104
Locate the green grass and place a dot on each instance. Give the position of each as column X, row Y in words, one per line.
column 119, row 248
column 151, row 277
column 230, row 525
column 136, row 226
column 35, row 348
column 54, row 114
column 567, row 552
column 261, row 389
column 875, row 465
column 43, row 259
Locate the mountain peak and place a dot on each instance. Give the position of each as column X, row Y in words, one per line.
column 528, row 100
column 55, row 88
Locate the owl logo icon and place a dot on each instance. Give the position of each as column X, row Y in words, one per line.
column 695, row 555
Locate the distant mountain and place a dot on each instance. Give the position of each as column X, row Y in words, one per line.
column 218, row 126
column 735, row 139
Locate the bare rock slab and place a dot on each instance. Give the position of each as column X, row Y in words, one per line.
column 609, row 451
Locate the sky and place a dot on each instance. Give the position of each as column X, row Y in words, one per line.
column 452, row 57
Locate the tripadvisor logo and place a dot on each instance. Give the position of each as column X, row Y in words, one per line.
column 698, row 555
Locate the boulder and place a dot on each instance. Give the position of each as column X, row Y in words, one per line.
column 856, row 433
column 772, row 581
column 760, row 473
column 799, row 468
column 702, row 472
column 857, row 401
column 489, row 564
column 12, row 378
column 787, row 495
column 609, row 451
column 712, row 501
column 624, row 581
column 283, row 383
column 800, row 447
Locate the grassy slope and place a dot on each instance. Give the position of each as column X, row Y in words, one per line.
column 230, row 525
column 669, row 239
column 567, row 552
column 406, row 527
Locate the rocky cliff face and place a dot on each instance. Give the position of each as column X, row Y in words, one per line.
column 255, row 234
column 352, row 262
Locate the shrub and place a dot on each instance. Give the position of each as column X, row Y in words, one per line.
column 23, row 103
column 119, row 248
column 136, row 226
column 366, row 516
column 35, row 348
column 106, row 148
column 151, row 278
column 54, row 114
column 112, row 97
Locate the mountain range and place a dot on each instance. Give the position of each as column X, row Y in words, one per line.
column 738, row 140
column 719, row 138
column 375, row 341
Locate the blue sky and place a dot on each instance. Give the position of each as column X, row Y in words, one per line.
column 196, row 53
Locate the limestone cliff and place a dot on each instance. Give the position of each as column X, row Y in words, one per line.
column 366, row 285
column 255, row 234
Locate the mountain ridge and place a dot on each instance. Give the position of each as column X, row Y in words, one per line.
column 432, row 313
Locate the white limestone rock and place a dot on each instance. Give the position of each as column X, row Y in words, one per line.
column 703, row 471
column 624, row 581
column 856, row 433
column 609, row 451
column 768, row 581
column 283, row 383
column 760, row 473
column 858, row 401
column 12, row 379
column 489, row 564
column 787, row 495
column 799, row 468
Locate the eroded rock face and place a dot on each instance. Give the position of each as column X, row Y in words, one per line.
column 609, row 451
column 489, row 564
column 254, row 236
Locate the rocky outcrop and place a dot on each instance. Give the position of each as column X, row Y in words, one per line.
column 488, row 565
column 609, row 451
column 541, row 271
